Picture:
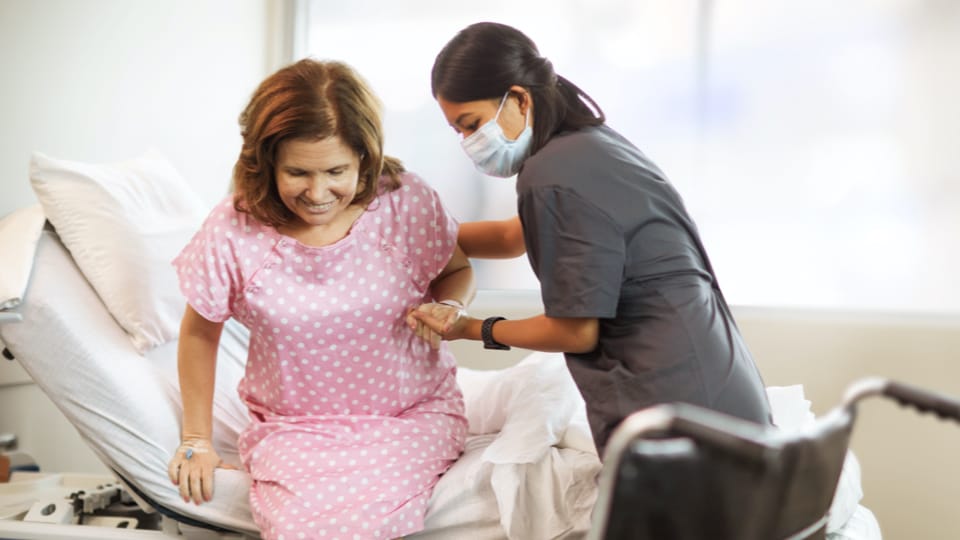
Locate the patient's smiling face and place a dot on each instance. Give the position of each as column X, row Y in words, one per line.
column 317, row 180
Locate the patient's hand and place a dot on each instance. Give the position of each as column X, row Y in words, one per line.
column 443, row 317
column 429, row 324
column 192, row 469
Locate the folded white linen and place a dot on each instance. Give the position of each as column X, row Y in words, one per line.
column 19, row 232
column 532, row 404
column 543, row 463
column 549, row 498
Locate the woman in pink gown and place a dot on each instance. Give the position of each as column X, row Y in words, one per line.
column 322, row 251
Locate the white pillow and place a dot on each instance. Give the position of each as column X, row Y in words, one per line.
column 123, row 223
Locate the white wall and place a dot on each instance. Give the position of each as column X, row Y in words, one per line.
column 102, row 80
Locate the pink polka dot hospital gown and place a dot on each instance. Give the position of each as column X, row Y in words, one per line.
column 353, row 417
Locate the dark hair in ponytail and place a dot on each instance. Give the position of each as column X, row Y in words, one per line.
column 485, row 59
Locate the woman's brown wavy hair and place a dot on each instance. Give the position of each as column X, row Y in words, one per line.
column 309, row 99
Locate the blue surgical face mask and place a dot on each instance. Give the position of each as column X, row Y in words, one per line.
column 492, row 152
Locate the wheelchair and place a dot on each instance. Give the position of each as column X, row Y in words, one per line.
column 682, row 472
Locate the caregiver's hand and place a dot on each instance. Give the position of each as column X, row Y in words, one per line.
column 432, row 321
column 192, row 469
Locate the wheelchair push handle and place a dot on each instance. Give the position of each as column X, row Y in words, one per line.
column 945, row 407
column 924, row 401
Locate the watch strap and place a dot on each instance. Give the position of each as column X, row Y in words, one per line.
column 486, row 334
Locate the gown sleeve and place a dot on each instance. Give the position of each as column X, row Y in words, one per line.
column 207, row 267
column 576, row 250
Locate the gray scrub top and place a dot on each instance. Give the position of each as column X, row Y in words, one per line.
column 609, row 238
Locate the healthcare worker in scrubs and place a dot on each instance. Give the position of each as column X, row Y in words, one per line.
column 630, row 297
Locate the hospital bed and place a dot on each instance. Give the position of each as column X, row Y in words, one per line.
column 529, row 470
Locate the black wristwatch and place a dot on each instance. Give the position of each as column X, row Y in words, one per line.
column 486, row 334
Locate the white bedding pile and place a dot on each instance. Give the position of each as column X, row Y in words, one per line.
column 541, row 461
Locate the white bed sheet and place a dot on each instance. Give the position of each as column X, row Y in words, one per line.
column 528, row 472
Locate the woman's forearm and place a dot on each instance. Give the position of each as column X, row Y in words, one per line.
column 458, row 285
column 197, row 368
column 456, row 281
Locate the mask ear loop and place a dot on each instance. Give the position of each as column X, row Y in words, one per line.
column 526, row 117
column 503, row 101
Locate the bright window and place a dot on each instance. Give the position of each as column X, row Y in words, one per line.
column 815, row 142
